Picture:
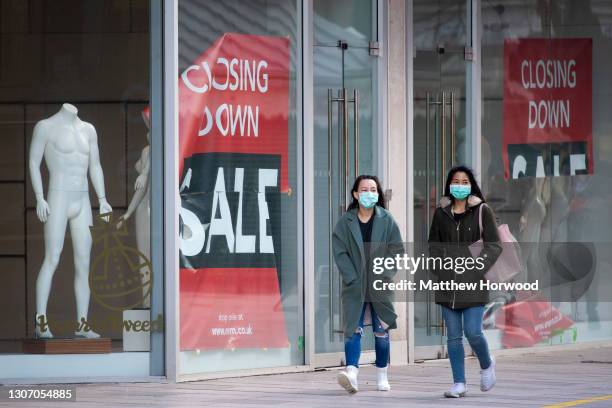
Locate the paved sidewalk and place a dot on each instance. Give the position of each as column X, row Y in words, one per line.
column 530, row 380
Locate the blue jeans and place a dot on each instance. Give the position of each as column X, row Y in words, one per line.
column 352, row 345
column 466, row 321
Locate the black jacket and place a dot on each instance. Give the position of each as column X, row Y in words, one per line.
column 448, row 238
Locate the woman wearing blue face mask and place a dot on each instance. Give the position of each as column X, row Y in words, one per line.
column 454, row 227
column 364, row 226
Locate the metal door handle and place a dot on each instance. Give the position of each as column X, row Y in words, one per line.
column 447, row 99
column 356, row 126
column 443, row 143
column 427, row 197
column 453, row 128
column 344, row 155
column 344, row 100
column 345, row 136
column 330, row 211
column 441, row 101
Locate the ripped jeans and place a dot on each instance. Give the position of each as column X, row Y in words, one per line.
column 352, row 345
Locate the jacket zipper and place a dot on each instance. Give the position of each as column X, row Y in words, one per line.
column 454, row 291
column 458, row 225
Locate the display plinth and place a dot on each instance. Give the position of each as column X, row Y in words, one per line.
column 67, row 346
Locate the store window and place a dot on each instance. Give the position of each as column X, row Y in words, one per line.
column 241, row 303
column 546, row 160
column 74, row 176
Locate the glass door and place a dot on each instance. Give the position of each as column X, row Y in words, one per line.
column 439, row 140
column 345, row 114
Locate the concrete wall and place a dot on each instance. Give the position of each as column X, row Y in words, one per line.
column 397, row 147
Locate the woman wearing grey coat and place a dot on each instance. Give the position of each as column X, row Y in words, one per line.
column 366, row 228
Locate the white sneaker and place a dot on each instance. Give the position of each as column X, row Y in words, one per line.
column 457, row 390
column 382, row 382
column 487, row 376
column 348, row 379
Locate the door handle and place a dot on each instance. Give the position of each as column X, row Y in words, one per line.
column 443, row 142
column 344, row 152
column 344, row 165
column 356, row 127
column 428, row 105
column 439, row 102
column 345, row 136
column 330, row 101
column 447, row 99
column 453, row 129
column 344, row 101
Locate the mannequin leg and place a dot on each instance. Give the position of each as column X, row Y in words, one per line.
column 54, row 234
column 81, row 242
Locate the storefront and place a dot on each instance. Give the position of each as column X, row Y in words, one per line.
column 80, row 120
column 225, row 135
column 517, row 90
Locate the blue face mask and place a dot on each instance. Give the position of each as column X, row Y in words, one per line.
column 460, row 191
column 368, row 199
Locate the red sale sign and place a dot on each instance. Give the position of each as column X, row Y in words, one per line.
column 547, row 114
column 233, row 134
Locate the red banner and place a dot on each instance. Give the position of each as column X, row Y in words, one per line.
column 233, row 134
column 547, row 114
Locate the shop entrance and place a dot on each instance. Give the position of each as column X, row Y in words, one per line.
column 345, row 145
column 439, row 140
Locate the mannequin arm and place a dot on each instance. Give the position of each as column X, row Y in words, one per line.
column 95, row 172
column 143, row 179
column 135, row 202
column 141, row 187
column 37, row 150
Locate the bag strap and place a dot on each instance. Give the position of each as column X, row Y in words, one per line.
column 480, row 218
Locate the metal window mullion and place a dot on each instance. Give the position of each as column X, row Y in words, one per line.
column 171, row 200
column 157, row 363
column 473, row 89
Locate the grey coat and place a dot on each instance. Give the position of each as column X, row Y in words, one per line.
column 349, row 255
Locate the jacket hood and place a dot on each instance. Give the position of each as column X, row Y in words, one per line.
column 472, row 201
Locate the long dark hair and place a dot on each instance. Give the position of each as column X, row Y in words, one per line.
column 464, row 169
column 381, row 196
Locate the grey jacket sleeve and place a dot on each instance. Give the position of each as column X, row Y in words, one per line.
column 341, row 253
column 395, row 245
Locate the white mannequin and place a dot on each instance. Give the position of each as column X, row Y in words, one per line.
column 70, row 149
column 140, row 205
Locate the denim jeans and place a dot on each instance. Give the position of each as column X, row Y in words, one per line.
column 352, row 345
column 466, row 321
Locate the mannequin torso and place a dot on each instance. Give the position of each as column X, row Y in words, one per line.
column 67, row 150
